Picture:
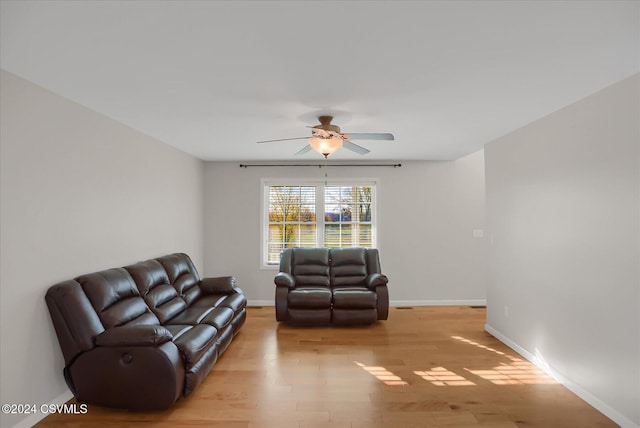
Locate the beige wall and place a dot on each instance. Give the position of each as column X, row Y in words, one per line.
column 79, row 192
column 563, row 213
column 427, row 212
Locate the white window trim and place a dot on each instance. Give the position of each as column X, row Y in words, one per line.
column 265, row 183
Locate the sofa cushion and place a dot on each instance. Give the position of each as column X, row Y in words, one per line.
column 116, row 299
column 310, row 266
column 219, row 317
column 182, row 275
column 153, row 284
column 236, row 302
column 190, row 316
column 195, row 342
column 177, row 330
column 348, row 266
column 354, row 297
column 309, row 297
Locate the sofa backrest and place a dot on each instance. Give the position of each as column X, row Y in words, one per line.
column 116, row 299
column 182, row 275
column 309, row 266
column 348, row 266
column 155, row 288
column 333, row 267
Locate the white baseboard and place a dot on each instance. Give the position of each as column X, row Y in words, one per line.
column 261, row 303
column 38, row 416
column 594, row 401
column 404, row 303
column 399, row 303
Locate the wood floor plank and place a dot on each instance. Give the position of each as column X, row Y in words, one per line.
column 424, row 367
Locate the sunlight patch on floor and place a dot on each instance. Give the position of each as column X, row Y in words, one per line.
column 517, row 372
column 442, row 377
column 383, row 375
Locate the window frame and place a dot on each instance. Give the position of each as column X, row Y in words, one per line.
column 320, row 185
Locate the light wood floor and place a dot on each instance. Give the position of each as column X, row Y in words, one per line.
column 424, row 367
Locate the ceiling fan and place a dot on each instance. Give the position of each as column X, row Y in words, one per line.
column 327, row 139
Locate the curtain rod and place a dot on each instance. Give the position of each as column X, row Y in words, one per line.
column 395, row 165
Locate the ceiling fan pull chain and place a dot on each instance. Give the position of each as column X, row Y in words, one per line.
column 326, row 170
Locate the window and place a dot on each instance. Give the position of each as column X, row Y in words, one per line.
column 317, row 215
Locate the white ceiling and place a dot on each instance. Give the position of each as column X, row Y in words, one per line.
column 212, row 78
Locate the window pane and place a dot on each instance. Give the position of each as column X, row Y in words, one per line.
column 346, row 236
column 332, row 235
column 308, row 195
column 274, row 247
column 332, row 213
column 274, row 257
column 364, row 194
column 364, row 212
column 308, row 235
column 308, row 213
column 274, row 213
column 291, row 235
column 345, row 213
column 346, row 195
column 332, row 194
column 275, row 233
column 364, row 235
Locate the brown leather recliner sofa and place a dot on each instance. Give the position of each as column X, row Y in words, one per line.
column 321, row 286
column 142, row 336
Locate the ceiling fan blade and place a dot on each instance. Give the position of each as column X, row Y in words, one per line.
column 369, row 136
column 282, row 139
column 354, row 147
column 304, row 150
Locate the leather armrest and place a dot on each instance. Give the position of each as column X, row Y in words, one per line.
column 137, row 335
column 284, row 279
column 219, row 285
column 376, row 279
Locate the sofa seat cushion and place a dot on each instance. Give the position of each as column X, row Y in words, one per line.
column 209, row 301
column 191, row 316
column 219, row 318
column 236, row 302
column 178, row 330
column 354, row 297
column 195, row 342
column 309, row 297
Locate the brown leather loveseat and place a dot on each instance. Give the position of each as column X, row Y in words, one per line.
column 142, row 336
column 342, row 286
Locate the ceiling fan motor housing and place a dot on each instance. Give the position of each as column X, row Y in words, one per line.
column 325, row 124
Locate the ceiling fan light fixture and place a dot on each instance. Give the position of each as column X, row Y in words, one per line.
column 325, row 146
